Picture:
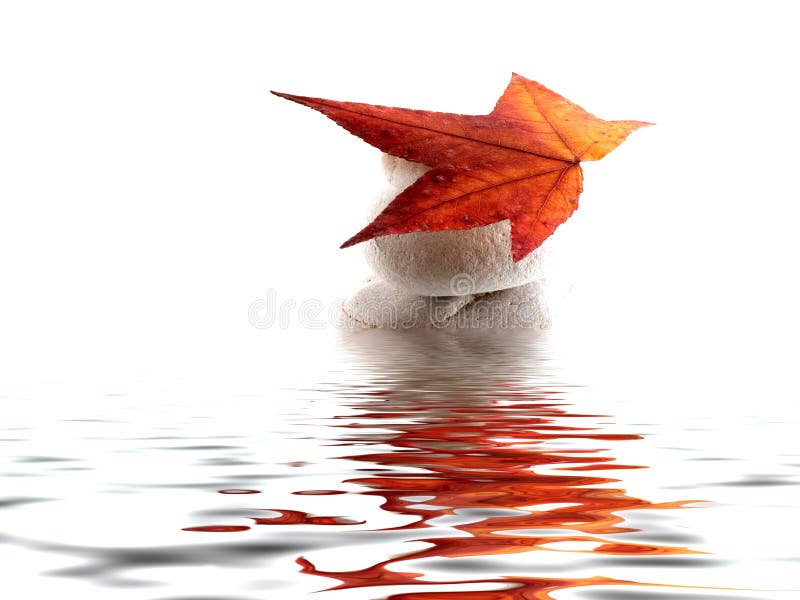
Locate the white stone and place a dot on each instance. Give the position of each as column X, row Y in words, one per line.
column 445, row 263
column 380, row 305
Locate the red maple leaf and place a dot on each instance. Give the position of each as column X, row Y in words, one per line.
column 520, row 162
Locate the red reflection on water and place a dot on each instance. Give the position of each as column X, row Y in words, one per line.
column 298, row 517
column 506, row 453
column 239, row 492
column 218, row 528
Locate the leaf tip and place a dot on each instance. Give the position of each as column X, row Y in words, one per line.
column 365, row 234
column 634, row 125
column 517, row 254
column 282, row 95
column 352, row 241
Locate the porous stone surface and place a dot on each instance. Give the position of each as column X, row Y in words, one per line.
column 378, row 304
column 431, row 263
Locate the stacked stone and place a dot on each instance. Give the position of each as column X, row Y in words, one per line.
column 445, row 279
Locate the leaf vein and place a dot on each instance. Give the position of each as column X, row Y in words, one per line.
column 478, row 191
column 455, row 135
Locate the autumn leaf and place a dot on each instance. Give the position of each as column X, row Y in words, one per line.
column 520, row 162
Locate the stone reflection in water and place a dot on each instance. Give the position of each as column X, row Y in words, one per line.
column 468, row 423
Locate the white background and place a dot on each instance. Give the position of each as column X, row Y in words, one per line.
column 151, row 188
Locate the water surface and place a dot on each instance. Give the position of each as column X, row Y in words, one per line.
column 432, row 465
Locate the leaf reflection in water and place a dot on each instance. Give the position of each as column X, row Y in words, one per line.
column 470, row 423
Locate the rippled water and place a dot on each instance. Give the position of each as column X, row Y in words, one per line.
column 431, row 465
